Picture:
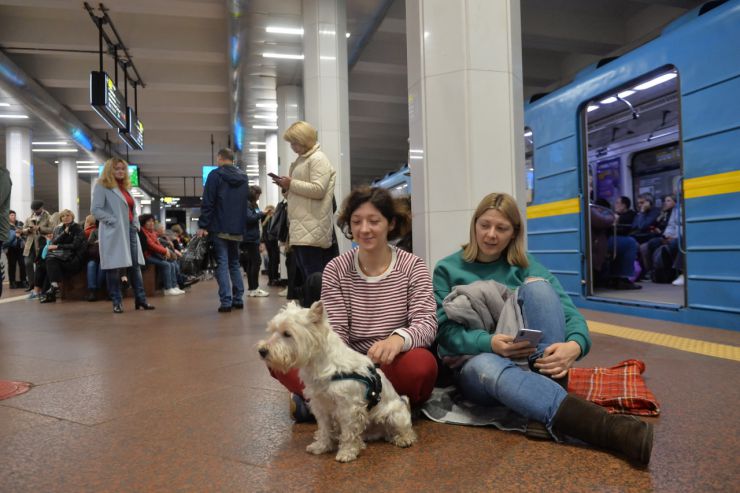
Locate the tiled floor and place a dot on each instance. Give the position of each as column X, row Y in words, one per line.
column 177, row 400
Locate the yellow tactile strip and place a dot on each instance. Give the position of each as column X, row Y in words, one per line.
column 697, row 346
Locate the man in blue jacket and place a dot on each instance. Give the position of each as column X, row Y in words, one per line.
column 223, row 215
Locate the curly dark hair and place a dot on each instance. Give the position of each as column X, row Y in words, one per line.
column 382, row 200
column 144, row 218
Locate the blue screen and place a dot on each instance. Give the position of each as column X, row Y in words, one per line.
column 206, row 171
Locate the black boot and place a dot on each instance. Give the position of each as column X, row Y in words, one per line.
column 91, row 295
column 586, row 421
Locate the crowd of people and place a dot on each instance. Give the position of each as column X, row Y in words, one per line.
column 425, row 327
column 629, row 245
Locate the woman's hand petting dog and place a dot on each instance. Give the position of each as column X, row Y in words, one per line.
column 385, row 351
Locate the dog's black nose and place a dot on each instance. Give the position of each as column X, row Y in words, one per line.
column 263, row 352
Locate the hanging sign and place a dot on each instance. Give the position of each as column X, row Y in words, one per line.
column 107, row 100
column 133, row 136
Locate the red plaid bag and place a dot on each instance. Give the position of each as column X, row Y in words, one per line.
column 620, row 389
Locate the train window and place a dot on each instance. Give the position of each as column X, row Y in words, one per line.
column 529, row 163
column 633, row 158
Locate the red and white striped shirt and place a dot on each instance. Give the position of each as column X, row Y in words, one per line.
column 364, row 310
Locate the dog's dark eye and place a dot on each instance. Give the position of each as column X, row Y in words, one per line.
column 287, row 334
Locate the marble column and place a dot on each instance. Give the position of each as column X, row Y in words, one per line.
column 67, row 185
column 18, row 163
column 289, row 111
column 465, row 114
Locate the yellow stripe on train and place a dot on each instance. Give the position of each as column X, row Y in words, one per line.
column 703, row 186
column 569, row 206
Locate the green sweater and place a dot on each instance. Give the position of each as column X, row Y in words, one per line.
column 453, row 270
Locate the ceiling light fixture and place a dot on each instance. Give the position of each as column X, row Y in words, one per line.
column 51, row 143
column 258, row 143
column 4, row 104
column 656, row 81
column 608, row 100
column 18, row 117
column 255, row 149
column 266, row 117
column 625, row 94
column 55, row 150
column 265, row 127
column 348, row 35
column 282, row 55
column 528, row 133
column 87, row 171
column 592, row 107
column 86, row 162
column 272, row 106
column 285, row 30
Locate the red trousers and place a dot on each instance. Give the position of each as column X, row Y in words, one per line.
column 412, row 374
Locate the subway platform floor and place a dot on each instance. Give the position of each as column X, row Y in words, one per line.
column 177, row 399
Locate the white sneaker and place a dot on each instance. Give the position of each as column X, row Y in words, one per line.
column 680, row 281
column 261, row 293
column 283, row 293
column 173, row 292
column 179, row 291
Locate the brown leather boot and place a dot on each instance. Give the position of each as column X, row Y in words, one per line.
column 586, row 421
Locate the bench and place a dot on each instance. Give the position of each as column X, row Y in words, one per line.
column 75, row 287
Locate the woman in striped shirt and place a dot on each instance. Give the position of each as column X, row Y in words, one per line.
column 379, row 298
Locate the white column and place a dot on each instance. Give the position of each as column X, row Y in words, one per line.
column 18, row 163
column 263, row 182
column 289, row 111
column 325, row 89
column 67, row 183
column 271, row 193
column 465, row 114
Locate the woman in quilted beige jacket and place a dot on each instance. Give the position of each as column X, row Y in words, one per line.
column 309, row 189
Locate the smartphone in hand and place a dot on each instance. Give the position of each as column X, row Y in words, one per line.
column 531, row 335
column 273, row 176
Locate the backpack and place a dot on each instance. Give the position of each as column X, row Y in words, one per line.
column 663, row 271
column 278, row 227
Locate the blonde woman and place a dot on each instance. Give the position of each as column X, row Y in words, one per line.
column 495, row 252
column 309, row 189
column 115, row 209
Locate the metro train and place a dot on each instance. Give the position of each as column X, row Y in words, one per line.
column 661, row 119
column 398, row 182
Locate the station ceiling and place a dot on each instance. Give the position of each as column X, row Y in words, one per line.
column 180, row 50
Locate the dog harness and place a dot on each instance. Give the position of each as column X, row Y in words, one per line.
column 373, row 383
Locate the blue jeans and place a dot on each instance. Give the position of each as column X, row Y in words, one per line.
column 95, row 275
column 489, row 379
column 624, row 264
column 166, row 268
column 228, row 269
column 134, row 274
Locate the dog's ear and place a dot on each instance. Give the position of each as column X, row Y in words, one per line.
column 316, row 313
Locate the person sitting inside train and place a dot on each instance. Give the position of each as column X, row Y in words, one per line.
column 613, row 256
column 670, row 237
column 645, row 219
column 626, row 215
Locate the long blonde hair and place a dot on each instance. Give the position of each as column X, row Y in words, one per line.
column 506, row 205
column 108, row 180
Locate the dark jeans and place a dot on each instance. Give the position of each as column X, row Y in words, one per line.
column 57, row 269
column 30, row 261
column 311, row 259
column 273, row 260
column 95, row 275
column 15, row 258
column 624, row 264
column 228, row 275
column 134, row 274
column 251, row 264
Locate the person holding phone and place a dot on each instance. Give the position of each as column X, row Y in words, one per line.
column 495, row 252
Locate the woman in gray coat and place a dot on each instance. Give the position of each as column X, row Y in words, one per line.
column 114, row 207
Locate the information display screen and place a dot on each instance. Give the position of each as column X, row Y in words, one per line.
column 206, row 171
column 134, row 136
column 133, row 173
column 107, row 100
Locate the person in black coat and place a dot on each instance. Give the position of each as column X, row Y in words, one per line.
column 623, row 208
column 65, row 255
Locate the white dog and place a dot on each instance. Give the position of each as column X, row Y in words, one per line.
column 343, row 388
